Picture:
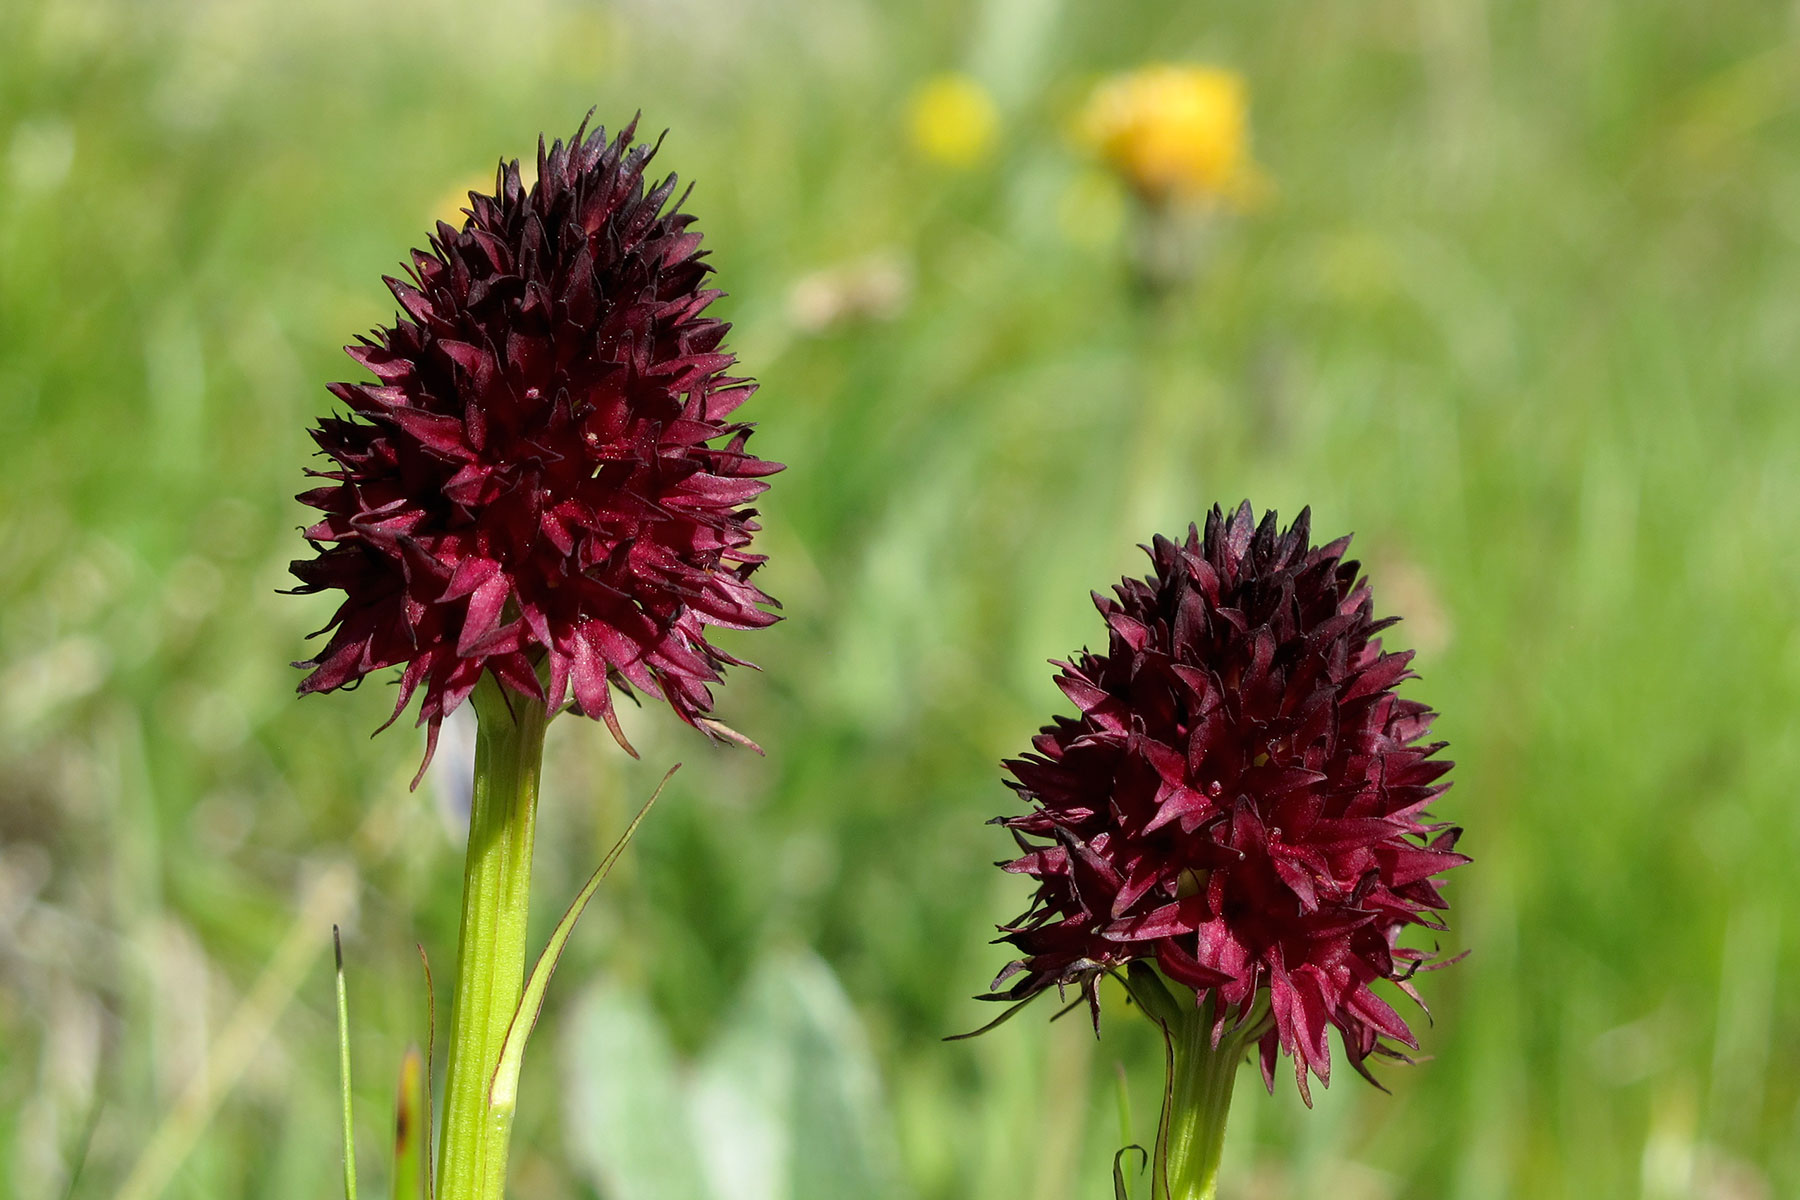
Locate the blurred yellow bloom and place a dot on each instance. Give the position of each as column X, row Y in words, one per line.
column 449, row 207
column 1176, row 132
column 953, row 121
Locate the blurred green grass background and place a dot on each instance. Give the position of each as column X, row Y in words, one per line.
column 1524, row 315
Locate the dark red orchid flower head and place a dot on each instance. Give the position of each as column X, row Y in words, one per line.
column 544, row 481
column 1241, row 799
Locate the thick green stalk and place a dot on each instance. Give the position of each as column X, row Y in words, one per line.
column 490, row 970
column 1190, row 1137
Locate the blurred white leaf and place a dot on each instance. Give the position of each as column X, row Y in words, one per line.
column 785, row 1105
column 625, row 1103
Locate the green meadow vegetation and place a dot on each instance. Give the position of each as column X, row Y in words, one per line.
column 1521, row 310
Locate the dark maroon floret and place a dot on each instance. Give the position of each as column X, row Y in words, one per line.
column 544, row 481
column 1241, row 799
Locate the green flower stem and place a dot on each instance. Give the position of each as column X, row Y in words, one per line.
column 490, row 970
column 1190, row 1137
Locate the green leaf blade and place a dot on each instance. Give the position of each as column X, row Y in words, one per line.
column 503, row 1092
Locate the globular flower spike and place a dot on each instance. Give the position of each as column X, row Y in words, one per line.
column 545, row 481
column 1240, row 801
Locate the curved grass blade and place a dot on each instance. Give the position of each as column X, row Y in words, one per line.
column 1003, row 1018
column 503, row 1092
column 1121, row 1190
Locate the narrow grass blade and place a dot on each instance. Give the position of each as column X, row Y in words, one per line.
column 331, row 895
column 412, row 1128
column 81, row 1153
column 425, row 1125
column 343, row 1022
column 503, row 1092
column 1122, row 1095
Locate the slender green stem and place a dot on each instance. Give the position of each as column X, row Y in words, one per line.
column 490, row 970
column 343, row 1019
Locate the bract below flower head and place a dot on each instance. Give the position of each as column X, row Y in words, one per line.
column 1241, row 799
column 544, row 481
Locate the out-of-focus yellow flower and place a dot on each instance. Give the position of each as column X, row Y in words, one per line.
column 952, row 120
column 1176, row 132
column 449, row 207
